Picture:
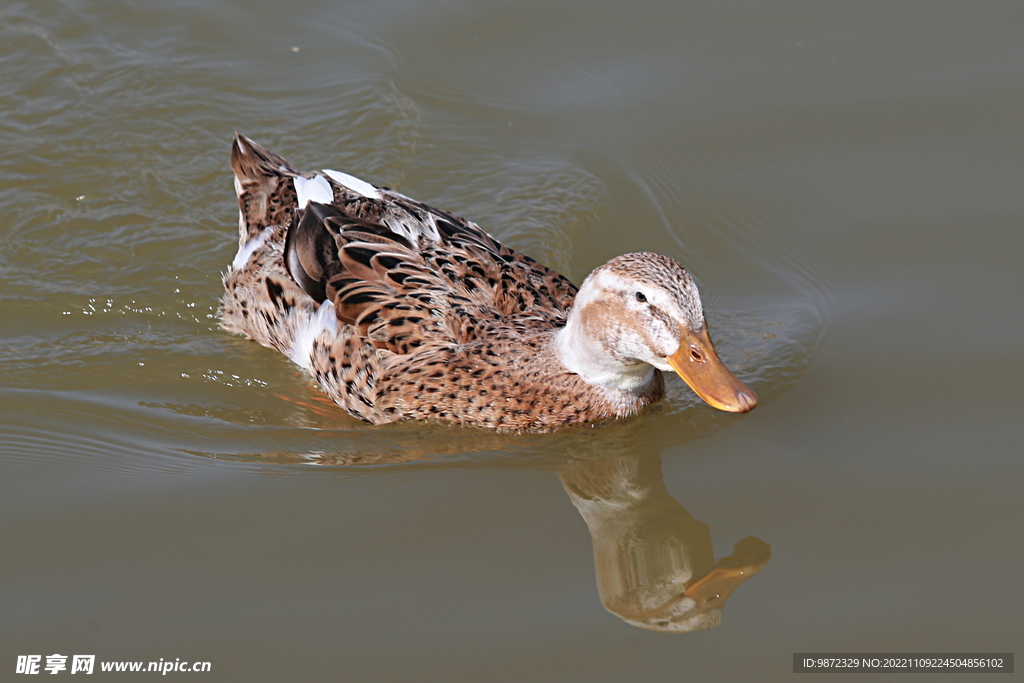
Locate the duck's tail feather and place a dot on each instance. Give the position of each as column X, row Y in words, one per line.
column 266, row 194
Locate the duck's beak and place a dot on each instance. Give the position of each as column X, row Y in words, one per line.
column 698, row 364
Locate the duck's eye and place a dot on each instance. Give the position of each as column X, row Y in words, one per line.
column 640, row 297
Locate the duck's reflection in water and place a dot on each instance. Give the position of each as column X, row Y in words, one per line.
column 655, row 563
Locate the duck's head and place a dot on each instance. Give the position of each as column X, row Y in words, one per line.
column 643, row 310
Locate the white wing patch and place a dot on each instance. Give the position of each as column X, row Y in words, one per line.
column 355, row 184
column 412, row 229
column 245, row 250
column 325, row 320
column 316, row 189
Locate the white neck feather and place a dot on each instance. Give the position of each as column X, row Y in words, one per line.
column 581, row 354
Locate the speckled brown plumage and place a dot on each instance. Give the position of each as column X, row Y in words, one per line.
column 403, row 311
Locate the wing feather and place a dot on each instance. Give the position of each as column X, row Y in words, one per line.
column 405, row 274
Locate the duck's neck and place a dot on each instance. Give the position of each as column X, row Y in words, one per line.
column 583, row 354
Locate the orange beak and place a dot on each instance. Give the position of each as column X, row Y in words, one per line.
column 698, row 364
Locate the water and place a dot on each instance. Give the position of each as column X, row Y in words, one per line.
column 843, row 180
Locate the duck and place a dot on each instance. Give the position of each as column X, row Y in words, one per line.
column 402, row 311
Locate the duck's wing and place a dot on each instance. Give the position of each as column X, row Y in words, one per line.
column 403, row 271
column 406, row 275
column 470, row 259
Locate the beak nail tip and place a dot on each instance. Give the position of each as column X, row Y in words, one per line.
column 748, row 400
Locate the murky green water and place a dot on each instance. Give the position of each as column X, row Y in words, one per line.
column 846, row 181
